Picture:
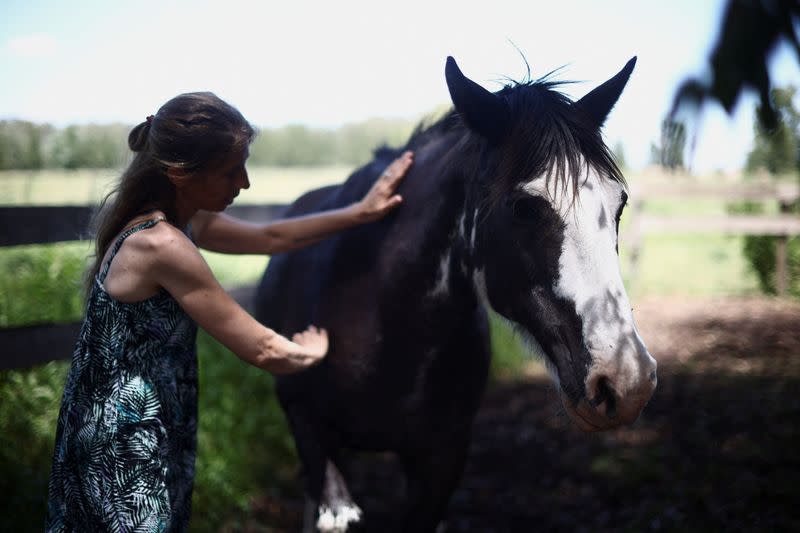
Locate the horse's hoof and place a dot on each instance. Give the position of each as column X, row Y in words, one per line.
column 337, row 518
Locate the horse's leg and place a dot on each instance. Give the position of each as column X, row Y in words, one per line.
column 328, row 505
column 337, row 509
column 312, row 455
column 432, row 478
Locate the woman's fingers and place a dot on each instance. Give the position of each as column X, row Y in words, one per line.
column 315, row 341
column 381, row 198
column 398, row 168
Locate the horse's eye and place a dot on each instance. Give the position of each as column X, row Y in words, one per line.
column 525, row 210
column 623, row 203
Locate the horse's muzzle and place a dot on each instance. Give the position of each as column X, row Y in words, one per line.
column 603, row 407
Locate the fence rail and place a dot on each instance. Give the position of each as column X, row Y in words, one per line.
column 785, row 192
column 48, row 224
column 34, row 344
column 777, row 225
column 781, row 226
column 38, row 343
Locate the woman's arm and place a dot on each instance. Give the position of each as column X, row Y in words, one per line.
column 175, row 264
column 222, row 233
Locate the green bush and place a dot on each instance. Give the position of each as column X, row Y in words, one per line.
column 29, row 401
column 42, row 284
column 244, row 444
column 759, row 251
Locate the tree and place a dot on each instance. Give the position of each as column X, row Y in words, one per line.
column 669, row 154
column 777, row 150
column 749, row 33
column 21, row 144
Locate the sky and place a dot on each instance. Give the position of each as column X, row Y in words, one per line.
column 324, row 64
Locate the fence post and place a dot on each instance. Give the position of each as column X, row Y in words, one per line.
column 781, row 269
column 782, row 256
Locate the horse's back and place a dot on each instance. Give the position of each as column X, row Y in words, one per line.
column 290, row 288
column 274, row 293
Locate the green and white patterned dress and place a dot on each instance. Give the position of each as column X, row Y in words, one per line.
column 126, row 438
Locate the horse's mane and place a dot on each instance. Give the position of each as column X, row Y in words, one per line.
column 550, row 136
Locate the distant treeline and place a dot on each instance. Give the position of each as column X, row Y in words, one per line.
column 30, row 146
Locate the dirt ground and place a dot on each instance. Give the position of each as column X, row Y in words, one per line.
column 717, row 448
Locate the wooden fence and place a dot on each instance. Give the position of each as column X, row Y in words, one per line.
column 782, row 225
column 38, row 343
column 33, row 344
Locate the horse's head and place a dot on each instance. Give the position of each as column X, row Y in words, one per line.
column 542, row 230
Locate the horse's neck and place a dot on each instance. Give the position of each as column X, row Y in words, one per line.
column 449, row 240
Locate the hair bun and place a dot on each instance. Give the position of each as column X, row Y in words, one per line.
column 137, row 139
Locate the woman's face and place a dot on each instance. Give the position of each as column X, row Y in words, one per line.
column 214, row 189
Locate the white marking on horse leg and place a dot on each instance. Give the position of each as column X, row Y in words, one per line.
column 337, row 519
column 337, row 510
column 327, row 520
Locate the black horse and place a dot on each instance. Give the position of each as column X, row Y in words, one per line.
column 513, row 202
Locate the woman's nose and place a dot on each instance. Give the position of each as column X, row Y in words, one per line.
column 245, row 181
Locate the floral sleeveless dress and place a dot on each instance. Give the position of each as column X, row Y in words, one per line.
column 126, row 437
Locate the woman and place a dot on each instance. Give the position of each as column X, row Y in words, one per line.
column 125, row 442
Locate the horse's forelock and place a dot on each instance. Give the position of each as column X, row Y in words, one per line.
column 550, row 139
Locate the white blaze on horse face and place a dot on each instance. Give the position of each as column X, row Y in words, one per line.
column 589, row 276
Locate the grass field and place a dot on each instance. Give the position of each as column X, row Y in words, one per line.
column 79, row 187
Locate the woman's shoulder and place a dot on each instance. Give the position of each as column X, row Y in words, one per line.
column 159, row 238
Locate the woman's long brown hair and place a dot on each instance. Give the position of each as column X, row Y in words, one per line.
column 192, row 131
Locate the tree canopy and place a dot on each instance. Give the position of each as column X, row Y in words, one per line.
column 750, row 32
column 669, row 152
column 30, row 146
column 777, row 150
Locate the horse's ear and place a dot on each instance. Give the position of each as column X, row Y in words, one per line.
column 484, row 112
column 598, row 102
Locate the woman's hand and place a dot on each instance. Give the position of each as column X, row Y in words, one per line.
column 306, row 349
column 314, row 342
column 381, row 198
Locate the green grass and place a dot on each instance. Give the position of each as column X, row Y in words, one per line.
column 689, row 265
column 79, row 187
column 42, row 283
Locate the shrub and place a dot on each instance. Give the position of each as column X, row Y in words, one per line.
column 759, row 250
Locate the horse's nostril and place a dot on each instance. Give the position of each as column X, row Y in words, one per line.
column 605, row 395
column 653, row 376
